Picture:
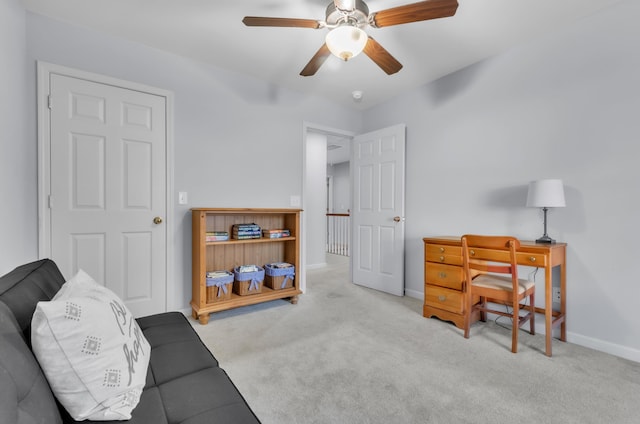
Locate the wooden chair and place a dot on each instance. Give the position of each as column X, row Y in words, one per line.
column 491, row 273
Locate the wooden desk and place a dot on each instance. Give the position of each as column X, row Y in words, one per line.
column 443, row 288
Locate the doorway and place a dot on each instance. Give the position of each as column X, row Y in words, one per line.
column 377, row 196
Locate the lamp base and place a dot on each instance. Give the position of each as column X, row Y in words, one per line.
column 545, row 239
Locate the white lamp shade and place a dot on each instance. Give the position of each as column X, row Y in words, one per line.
column 346, row 41
column 546, row 194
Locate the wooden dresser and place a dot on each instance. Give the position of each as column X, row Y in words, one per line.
column 443, row 277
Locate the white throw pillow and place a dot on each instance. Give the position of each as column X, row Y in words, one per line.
column 91, row 350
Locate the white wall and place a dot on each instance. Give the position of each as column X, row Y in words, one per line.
column 341, row 186
column 566, row 106
column 227, row 128
column 18, row 224
column 315, row 201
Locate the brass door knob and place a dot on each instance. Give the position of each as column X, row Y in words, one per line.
column 157, row 220
column 396, row 218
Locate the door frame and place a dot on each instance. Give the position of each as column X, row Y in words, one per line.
column 322, row 129
column 44, row 70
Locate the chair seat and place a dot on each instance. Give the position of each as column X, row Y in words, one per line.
column 501, row 283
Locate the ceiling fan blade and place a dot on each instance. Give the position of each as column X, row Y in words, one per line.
column 316, row 61
column 381, row 57
column 281, row 22
column 421, row 11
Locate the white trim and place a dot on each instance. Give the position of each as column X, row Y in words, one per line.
column 603, row 346
column 44, row 70
column 330, row 193
column 414, row 294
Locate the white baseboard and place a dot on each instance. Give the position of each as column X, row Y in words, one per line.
column 414, row 294
column 603, row 346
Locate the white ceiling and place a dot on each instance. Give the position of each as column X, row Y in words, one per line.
column 211, row 31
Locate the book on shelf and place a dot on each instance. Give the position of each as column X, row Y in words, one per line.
column 216, row 236
column 246, row 236
column 218, row 274
column 248, row 268
column 280, row 265
column 246, row 227
column 246, row 232
column 275, row 233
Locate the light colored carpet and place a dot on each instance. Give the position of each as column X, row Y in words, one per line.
column 347, row 354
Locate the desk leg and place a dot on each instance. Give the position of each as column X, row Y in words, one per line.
column 548, row 308
column 563, row 301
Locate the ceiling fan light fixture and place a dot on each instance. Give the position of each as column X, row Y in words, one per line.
column 346, row 41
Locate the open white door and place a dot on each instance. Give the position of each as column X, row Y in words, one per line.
column 378, row 169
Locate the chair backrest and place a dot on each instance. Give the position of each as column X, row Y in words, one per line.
column 490, row 254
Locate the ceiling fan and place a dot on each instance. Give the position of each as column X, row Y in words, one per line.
column 346, row 19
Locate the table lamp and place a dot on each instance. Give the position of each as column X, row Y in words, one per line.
column 545, row 194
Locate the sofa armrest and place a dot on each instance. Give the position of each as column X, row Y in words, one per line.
column 22, row 288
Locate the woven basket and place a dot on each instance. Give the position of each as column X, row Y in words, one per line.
column 219, row 288
column 246, row 283
column 279, row 278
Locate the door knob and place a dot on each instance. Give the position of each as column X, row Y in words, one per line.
column 157, row 220
column 397, row 218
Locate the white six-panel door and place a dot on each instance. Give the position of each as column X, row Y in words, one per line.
column 108, row 188
column 378, row 209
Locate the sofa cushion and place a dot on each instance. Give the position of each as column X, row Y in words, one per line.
column 216, row 400
column 91, row 349
column 181, row 362
column 177, row 349
column 26, row 397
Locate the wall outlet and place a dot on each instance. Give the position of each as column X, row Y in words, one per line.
column 555, row 295
column 295, row 201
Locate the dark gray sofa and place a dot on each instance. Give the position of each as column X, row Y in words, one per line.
column 184, row 382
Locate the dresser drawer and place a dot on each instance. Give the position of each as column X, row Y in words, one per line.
column 443, row 254
column 446, row 299
column 443, row 275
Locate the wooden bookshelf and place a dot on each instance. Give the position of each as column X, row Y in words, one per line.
column 228, row 254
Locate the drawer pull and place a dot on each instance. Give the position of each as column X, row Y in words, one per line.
column 442, row 298
column 441, row 258
column 442, row 250
column 472, row 252
column 532, row 258
column 442, row 275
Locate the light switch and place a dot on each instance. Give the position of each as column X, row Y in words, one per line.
column 182, row 198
